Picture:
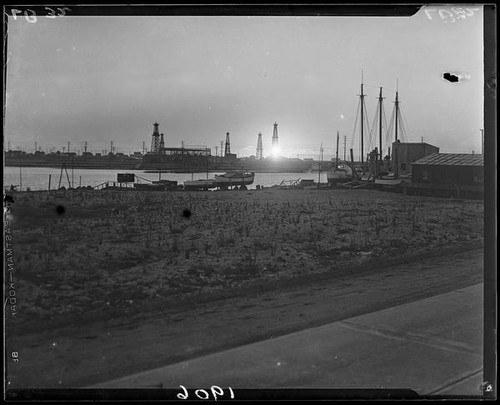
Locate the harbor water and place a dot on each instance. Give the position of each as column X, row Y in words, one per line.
column 37, row 178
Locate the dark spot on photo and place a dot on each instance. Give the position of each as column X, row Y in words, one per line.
column 450, row 77
column 186, row 213
column 60, row 209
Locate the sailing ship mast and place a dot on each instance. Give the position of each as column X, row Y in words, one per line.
column 396, row 116
column 398, row 120
column 380, row 98
column 362, row 101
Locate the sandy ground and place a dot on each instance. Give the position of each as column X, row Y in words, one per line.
column 119, row 284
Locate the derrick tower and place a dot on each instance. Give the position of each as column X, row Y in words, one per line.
column 275, row 134
column 227, row 149
column 260, row 151
column 155, row 140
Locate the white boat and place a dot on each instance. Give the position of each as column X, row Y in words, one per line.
column 234, row 178
column 229, row 179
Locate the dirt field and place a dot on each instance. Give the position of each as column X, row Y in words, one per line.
column 111, row 283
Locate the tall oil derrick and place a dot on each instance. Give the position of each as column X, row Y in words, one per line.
column 162, row 142
column 155, row 140
column 275, row 134
column 227, row 149
column 260, row 151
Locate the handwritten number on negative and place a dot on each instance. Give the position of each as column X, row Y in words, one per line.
column 204, row 394
column 52, row 13
column 31, row 17
column 456, row 13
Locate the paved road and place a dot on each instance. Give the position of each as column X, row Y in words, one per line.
column 433, row 346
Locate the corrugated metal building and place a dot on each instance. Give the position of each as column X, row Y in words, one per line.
column 458, row 174
column 404, row 154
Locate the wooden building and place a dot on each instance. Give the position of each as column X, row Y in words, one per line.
column 452, row 174
column 404, row 154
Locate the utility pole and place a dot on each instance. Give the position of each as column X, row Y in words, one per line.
column 345, row 140
column 337, row 152
column 320, row 161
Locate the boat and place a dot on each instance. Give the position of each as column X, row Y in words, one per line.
column 234, row 178
column 150, row 187
column 201, row 184
column 167, row 184
column 340, row 172
column 223, row 181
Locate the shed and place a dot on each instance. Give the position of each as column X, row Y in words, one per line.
column 404, row 154
column 461, row 172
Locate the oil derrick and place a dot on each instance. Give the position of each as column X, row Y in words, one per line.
column 275, row 134
column 162, row 142
column 227, row 149
column 259, row 153
column 155, row 141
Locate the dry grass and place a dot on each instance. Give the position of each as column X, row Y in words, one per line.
column 111, row 249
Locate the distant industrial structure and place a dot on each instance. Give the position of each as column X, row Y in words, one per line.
column 155, row 139
column 275, row 135
column 227, row 149
column 260, row 151
column 158, row 146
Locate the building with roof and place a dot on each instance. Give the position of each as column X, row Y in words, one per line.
column 457, row 174
column 405, row 153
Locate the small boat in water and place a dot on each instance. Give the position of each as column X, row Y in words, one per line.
column 234, row 178
column 223, row 181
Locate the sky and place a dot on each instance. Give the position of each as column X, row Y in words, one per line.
column 108, row 79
